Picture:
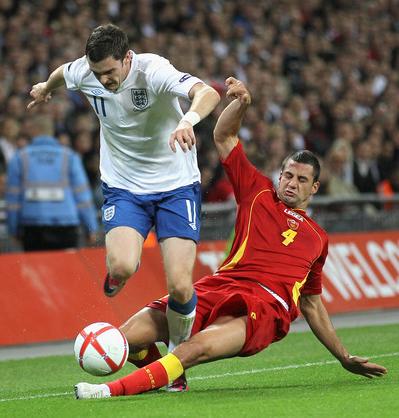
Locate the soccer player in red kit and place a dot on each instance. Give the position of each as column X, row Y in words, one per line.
column 274, row 268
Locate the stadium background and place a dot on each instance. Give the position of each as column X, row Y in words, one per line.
column 324, row 75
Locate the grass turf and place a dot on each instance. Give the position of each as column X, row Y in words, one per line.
column 293, row 378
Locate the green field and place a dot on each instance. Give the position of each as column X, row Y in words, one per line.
column 293, row 378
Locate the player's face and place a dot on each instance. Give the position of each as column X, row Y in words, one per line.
column 296, row 184
column 111, row 72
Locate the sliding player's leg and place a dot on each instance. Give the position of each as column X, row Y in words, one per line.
column 142, row 331
column 224, row 338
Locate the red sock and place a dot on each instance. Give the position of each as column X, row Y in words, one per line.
column 152, row 355
column 154, row 376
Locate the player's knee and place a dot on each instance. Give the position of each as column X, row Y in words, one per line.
column 182, row 292
column 122, row 270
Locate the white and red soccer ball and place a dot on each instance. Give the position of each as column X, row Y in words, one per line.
column 101, row 349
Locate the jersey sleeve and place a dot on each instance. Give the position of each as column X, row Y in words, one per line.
column 75, row 72
column 313, row 285
column 165, row 78
column 244, row 177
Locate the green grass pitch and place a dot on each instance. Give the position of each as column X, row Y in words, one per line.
column 294, row 378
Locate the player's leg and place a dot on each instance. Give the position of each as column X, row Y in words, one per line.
column 178, row 227
column 123, row 248
column 142, row 331
column 179, row 258
column 126, row 223
column 224, row 338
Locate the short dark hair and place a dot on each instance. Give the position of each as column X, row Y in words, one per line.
column 304, row 157
column 106, row 41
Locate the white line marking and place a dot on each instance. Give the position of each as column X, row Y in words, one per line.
column 217, row 376
column 45, row 395
column 275, row 369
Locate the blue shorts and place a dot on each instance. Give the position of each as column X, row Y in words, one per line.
column 175, row 213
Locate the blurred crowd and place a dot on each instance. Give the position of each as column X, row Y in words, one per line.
column 324, row 75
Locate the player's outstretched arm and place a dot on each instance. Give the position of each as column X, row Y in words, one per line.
column 204, row 100
column 229, row 122
column 319, row 321
column 41, row 92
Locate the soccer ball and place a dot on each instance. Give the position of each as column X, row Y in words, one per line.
column 101, row 349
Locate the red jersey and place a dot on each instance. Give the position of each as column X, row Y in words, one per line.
column 279, row 247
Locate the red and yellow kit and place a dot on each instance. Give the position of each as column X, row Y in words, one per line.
column 277, row 255
column 278, row 247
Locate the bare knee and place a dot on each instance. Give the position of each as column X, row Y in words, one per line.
column 145, row 327
column 181, row 291
column 120, row 269
column 124, row 245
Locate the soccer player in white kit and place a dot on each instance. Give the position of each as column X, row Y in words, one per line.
column 147, row 180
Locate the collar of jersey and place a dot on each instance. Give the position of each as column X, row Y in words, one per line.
column 132, row 64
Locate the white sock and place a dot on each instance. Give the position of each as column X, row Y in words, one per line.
column 180, row 327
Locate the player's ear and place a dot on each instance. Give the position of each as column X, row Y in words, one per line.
column 127, row 57
column 315, row 187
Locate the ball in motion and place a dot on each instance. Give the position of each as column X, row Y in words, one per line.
column 101, row 349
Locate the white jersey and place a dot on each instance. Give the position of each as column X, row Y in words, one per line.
column 136, row 122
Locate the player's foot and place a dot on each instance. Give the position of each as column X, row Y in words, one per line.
column 178, row 385
column 112, row 286
column 88, row 391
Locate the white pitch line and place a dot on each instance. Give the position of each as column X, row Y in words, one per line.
column 216, row 376
column 280, row 368
column 45, row 395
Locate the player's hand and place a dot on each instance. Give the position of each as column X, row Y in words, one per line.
column 237, row 90
column 39, row 94
column 360, row 365
column 184, row 135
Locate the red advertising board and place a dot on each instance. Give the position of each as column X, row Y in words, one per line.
column 50, row 296
column 362, row 272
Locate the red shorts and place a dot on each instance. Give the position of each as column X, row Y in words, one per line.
column 267, row 320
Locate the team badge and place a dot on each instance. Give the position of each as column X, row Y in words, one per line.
column 139, row 98
column 109, row 213
column 292, row 224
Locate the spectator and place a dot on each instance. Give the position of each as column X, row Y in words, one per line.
column 10, row 130
column 48, row 193
column 339, row 182
column 366, row 174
